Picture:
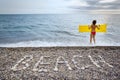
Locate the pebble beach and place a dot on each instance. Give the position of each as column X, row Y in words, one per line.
column 60, row 63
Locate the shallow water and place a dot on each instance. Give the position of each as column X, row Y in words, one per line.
column 41, row 30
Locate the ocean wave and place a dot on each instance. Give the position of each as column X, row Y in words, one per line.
column 38, row 43
column 65, row 32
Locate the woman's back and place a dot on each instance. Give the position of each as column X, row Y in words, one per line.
column 93, row 27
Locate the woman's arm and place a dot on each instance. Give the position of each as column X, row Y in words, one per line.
column 98, row 26
column 89, row 26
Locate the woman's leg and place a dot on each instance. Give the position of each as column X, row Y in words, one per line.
column 90, row 37
column 94, row 38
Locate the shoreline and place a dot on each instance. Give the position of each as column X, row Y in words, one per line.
column 62, row 47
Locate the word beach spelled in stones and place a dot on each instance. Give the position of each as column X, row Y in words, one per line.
column 76, row 61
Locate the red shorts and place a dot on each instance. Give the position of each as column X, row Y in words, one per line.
column 93, row 33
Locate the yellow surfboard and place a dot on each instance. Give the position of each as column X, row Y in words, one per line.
column 85, row 28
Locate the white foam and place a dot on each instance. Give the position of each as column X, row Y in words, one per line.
column 53, row 44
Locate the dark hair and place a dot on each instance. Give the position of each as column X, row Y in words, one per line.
column 94, row 22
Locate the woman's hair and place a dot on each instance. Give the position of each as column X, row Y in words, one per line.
column 94, row 22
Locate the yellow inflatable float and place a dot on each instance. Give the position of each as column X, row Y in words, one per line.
column 85, row 28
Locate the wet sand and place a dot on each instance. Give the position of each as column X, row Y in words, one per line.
column 60, row 63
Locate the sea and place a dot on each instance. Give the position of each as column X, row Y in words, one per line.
column 50, row 30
